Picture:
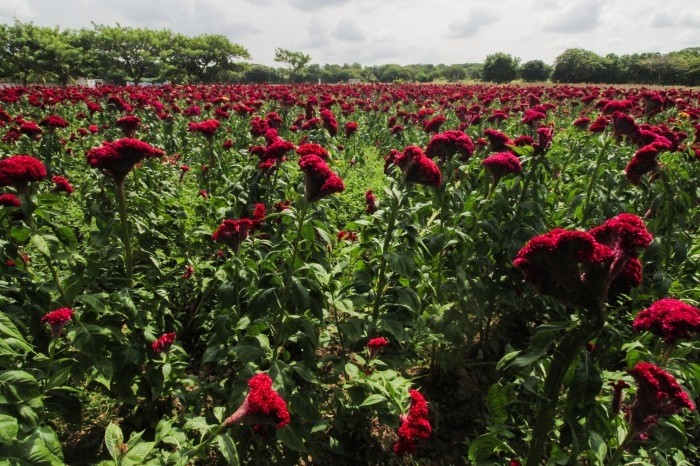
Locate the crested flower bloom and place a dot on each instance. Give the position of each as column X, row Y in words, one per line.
column 319, row 180
column 53, row 121
column 670, row 319
column 261, row 406
column 417, row 167
column 545, row 134
column 532, row 117
column 617, row 395
column 498, row 141
column 578, row 267
column 128, row 124
column 30, row 129
column 329, row 122
column 206, row 128
column 350, row 128
column 233, row 232
column 164, row 342
column 433, row 124
column 315, row 149
column 502, row 164
column 259, row 212
column 370, row 202
column 644, row 161
column 349, row 236
column 118, row 158
column 415, row 425
column 445, row 145
column 62, row 185
column 599, row 125
column 189, row 271
column 20, row 170
column 623, row 126
column 9, row 200
column 582, row 122
column 57, row 320
column 376, row 345
column 658, row 396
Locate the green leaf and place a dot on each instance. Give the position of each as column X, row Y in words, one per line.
column 290, row 438
column 246, row 354
column 9, row 330
column 8, row 428
column 484, row 446
column 39, row 242
column 114, row 438
column 138, row 453
column 227, row 448
column 18, row 386
column 373, row 400
column 498, row 399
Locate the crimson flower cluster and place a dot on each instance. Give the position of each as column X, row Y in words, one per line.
column 414, row 425
column 53, row 122
column 319, row 180
column 670, row 319
column 416, row 166
column 658, row 396
column 329, row 122
column 62, row 185
column 375, row 345
column 118, row 158
column 57, row 320
column 501, row 164
column 370, row 202
column 273, row 153
column 128, row 124
column 580, row 268
column 263, row 405
column 206, row 128
column 9, row 200
column 350, row 128
column 233, row 232
column 164, row 342
column 20, row 170
column 445, row 145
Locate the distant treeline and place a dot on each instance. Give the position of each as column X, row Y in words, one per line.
column 115, row 54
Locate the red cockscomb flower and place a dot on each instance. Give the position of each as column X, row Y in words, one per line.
column 9, row 200
column 263, row 405
column 350, row 128
column 57, row 320
column 164, row 342
column 315, row 149
column 370, row 202
column 445, row 145
column 414, row 426
column 119, row 157
column 644, row 161
column 319, row 180
column 599, row 125
column 62, row 185
column 20, row 170
column 658, row 396
column 128, row 124
column 670, row 319
column 259, row 213
column 418, row 168
column 53, row 122
column 30, row 129
column 189, row 271
column 498, row 141
column 502, row 164
column 376, row 345
column 433, row 125
column 582, row 122
column 329, row 122
column 206, row 128
column 349, row 236
column 233, row 232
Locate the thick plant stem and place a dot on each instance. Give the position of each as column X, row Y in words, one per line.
column 126, row 238
column 564, row 355
column 594, row 178
column 381, row 277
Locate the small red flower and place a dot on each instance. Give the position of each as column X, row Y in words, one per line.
column 233, row 232
column 370, row 202
column 57, row 320
column 350, row 128
column 349, row 236
column 189, row 270
column 320, row 181
column 414, row 425
column 259, row 212
column 449, row 143
column 206, row 128
column 418, row 168
column 263, row 405
column 376, row 345
column 53, row 122
column 9, row 200
column 164, row 342
column 62, row 185
column 670, row 319
column 502, row 164
column 128, row 124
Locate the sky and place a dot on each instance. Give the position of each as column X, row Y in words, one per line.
column 374, row 32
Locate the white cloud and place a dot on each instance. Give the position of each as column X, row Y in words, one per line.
column 346, row 30
column 476, row 20
column 574, row 16
column 19, row 9
column 314, row 5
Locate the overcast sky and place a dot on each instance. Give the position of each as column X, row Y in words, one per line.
column 373, row 32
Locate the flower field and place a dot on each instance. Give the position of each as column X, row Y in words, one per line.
column 333, row 274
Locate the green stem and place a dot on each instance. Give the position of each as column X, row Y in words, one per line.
column 564, row 355
column 126, row 238
column 594, row 178
column 381, row 277
column 441, row 252
column 54, row 274
column 526, row 185
column 619, row 453
column 669, row 211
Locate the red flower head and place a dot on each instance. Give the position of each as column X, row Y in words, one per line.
column 669, row 318
column 9, row 200
column 206, row 128
column 350, row 128
column 128, row 124
column 118, row 158
column 447, row 144
column 163, row 343
column 418, row 168
column 329, row 122
column 57, row 320
column 30, row 129
column 258, row 126
column 414, row 425
column 433, row 125
column 189, row 271
column 501, row 164
column 320, row 181
column 617, row 394
column 599, row 125
column 658, row 396
column 20, row 170
column 263, row 405
column 370, row 202
column 376, row 345
column 233, row 232
column 498, row 141
column 623, row 126
column 533, row 117
column 582, row 122
column 62, row 185
column 259, row 212
column 545, row 135
column 349, row 236
column 644, row 161
column 53, row 121
column 315, row 149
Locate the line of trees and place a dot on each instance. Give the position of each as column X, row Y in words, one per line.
column 116, row 54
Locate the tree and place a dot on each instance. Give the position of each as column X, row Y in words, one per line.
column 578, row 66
column 258, row 74
column 67, row 57
column 535, row 71
column 500, row 68
column 204, row 59
column 23, row 51
column 296, row 60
